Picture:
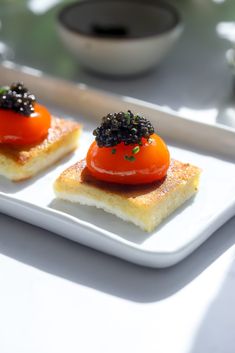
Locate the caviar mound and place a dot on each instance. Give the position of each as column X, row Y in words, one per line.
column 122, row 127
column 17, row 98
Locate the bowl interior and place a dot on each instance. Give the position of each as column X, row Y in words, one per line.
column 105, row 18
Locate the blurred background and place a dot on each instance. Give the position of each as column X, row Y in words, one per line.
column 195, row 79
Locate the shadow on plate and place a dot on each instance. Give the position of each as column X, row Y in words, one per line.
column 66, row 259
column 115, row 225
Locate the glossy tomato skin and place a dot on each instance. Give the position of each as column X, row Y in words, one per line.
column 110, row 164
column 17, row 129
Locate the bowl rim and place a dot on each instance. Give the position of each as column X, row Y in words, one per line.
column 177, row 22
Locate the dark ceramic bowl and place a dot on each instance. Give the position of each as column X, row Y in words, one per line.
column 119, row 37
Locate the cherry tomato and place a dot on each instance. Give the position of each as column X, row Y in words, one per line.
column 17, row 129
column 131, row 164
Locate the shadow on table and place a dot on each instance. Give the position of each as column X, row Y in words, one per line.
column 216, row 332
column 61, row 257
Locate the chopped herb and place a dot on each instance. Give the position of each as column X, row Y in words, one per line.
column 3, row 89
column 129, row 158
column 136, row 149
column 113, row 151
column 128, row 118
column 136, row 119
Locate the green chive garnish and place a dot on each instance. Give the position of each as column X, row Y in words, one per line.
column 136, row 149
column 113, row 151
column 128, row 118
column 3, row 89
column 129, row 158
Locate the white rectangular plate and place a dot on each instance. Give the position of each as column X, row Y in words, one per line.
column 212, row 148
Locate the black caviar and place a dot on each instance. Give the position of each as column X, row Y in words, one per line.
column 17, row 98
column 122, row 127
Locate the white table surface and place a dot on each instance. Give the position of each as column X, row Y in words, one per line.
column 58, row 296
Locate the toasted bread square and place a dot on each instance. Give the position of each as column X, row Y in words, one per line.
column 22, row 162
column 144, row 205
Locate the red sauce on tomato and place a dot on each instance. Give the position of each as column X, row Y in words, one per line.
column 119, row 164
column 17, row 129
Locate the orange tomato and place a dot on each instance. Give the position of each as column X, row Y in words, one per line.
column 17, row 129
column 131, row 164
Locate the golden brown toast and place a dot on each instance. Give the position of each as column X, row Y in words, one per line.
column 21, row 162
column 144, row 205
